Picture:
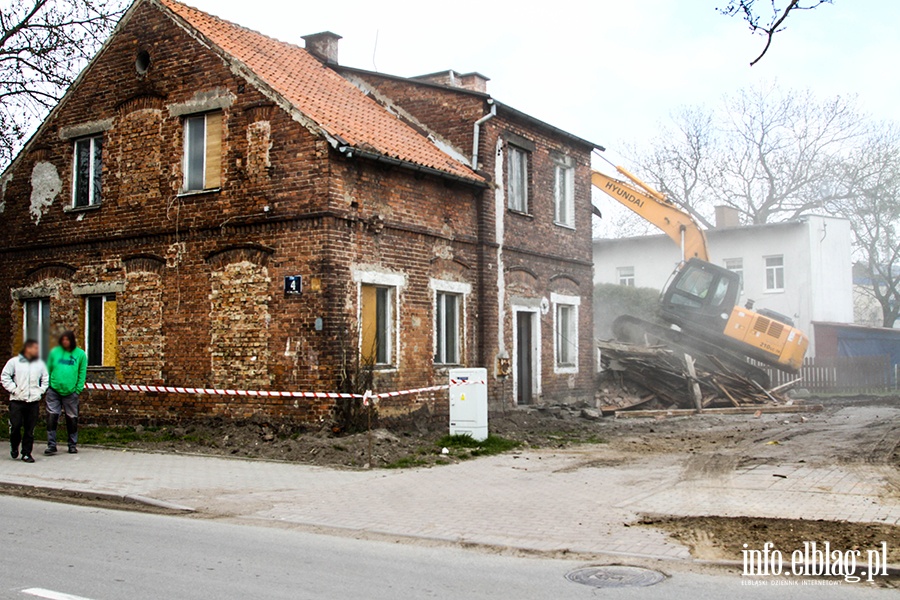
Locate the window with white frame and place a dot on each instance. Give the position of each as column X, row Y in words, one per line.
column 774, row 273
column 736, row 265
column 202, row 152
column 564, row 192
column 517, row 179
column 377, row 324
column 626, row 276
column 449, row 321
column 36, row 322
column 565, row 333
column 100, row 330
column 87, row 172
column 447, row 328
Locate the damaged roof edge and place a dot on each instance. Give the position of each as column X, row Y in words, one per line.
column 349, row 151
column 504, row 107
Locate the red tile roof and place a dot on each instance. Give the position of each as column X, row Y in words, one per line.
column 333, row 103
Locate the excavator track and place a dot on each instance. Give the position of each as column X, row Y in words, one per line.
column 638, row 331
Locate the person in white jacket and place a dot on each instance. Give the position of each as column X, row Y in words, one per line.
column 26, row 379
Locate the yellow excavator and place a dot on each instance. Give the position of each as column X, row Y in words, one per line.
column 700, row 299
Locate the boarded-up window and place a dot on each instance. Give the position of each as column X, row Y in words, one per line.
column 239, row 318
column 203, row 152
column 377, row 324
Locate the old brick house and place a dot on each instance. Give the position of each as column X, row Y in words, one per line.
column 195, row 164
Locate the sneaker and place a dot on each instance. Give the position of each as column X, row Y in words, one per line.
column 73, row 450
column 27, row 458
column 14, row 454
column 50, row 451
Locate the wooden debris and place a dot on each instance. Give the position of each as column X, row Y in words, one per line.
column 665, row 380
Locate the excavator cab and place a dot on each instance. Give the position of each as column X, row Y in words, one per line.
column 701, row 295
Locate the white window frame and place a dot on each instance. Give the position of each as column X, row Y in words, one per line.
column 91, row 191
column 40, row 325
column 625, row 278
column 186, row 155
column 511, row 150
column 563, row 167
column 397, row 281
column 462, row 290
column 573, row 302
column 735, row 269
column 774, row 269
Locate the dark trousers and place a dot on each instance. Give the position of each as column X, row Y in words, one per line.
column 56, row 405
column 22, row 415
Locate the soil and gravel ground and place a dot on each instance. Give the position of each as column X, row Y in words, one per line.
column 827, row 436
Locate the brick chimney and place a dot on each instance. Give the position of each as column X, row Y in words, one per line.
column 473, row 81
column 323, row 46
column 727, row 216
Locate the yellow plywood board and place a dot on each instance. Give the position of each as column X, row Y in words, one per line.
column 110, row 335
column 369, row 324
column 213, row 177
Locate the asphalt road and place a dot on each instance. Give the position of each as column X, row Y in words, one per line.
column 64, row 552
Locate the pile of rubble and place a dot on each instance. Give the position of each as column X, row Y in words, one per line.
column 655, row 377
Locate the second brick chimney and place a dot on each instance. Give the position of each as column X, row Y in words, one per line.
column 323, row 45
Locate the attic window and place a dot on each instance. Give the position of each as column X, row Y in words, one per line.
column 142, row 62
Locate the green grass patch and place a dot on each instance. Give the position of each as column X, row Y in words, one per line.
column 465, row 446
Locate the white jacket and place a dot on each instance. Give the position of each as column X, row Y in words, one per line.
column 26, row 381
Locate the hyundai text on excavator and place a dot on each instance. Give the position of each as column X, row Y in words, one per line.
column 701, row 298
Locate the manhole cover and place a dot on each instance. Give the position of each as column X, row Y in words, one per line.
column 615, row 576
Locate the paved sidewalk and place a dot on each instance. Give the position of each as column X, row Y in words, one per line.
column 580, row 500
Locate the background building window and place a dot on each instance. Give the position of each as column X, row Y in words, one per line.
column 447, row 328
column 626, row 276
column 736, row 265
column 37, row 323
column 377, row 324
column 100, row 341
column 774, row 273
column 87, row 172
column 517, row 175
column 564, row 193
column 203, row 152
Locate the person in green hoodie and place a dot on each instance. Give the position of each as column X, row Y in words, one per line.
column 67, row 365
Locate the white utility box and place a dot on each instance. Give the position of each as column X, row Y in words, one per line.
column 469, row 403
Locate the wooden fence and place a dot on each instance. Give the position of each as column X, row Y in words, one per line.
column 844, row 374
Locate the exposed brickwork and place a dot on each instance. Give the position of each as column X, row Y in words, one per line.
column 239, row 323
column 198, row 276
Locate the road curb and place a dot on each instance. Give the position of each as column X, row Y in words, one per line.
column 88, row 495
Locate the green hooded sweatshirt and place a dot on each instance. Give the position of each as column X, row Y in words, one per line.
column 68, row 370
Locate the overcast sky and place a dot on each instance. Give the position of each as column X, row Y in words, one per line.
column 607, row 70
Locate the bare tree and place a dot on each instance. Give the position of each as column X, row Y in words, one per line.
column 678, row 160
column 769, row 153
column 43, row 46
column 870, row 198
column 767, row 21
column 779, row 151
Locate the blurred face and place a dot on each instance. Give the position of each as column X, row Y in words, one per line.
column 32, row 351
column 66, row 343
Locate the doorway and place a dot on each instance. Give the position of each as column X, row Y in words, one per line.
column 525, row 357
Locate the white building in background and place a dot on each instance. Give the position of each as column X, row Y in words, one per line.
column 800, row 268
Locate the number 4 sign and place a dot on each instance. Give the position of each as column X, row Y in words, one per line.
column 293, row 284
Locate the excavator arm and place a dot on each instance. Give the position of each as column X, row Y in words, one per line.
column 655, row 208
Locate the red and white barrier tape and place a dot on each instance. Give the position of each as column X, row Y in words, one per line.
column 114, row 387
